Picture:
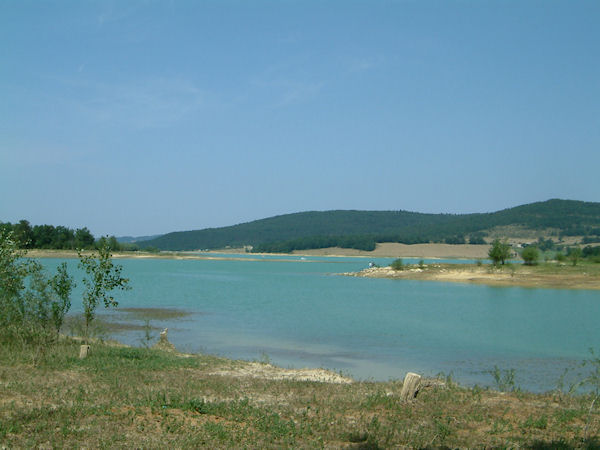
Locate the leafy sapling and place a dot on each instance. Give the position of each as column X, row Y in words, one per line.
column 62, row 284
column 102, row 277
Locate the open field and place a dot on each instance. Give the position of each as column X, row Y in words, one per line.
column 134, row 397
column 548, row 275
column 395, row 250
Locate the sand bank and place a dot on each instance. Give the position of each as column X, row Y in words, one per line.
column 392, row 250
column 516, row 275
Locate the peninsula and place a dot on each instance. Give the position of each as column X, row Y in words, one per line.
column 548, row 275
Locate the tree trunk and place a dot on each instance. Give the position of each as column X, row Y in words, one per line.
column 410, row 387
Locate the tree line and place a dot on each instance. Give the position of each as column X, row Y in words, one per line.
column 58, row 237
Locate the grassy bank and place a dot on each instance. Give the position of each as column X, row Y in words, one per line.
column 134, row 397
column 585, row 275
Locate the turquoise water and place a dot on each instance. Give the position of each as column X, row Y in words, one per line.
column 300, row 314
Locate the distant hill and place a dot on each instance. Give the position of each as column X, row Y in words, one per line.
column 134, row 239
column 363, row 229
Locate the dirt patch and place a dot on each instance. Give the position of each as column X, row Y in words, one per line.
column 269, row 372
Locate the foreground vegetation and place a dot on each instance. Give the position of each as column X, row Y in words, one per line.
column 136, row 397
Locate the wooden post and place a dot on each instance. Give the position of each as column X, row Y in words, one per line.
column 84, row 351
column 410, row 387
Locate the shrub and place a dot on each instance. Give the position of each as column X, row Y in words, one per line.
column 477, row 238
column 102, row 277
column 530, row 255
column 32, row 305
column 574, row 254
column 398, row 264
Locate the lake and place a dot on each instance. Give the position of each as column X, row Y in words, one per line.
column 298, row 313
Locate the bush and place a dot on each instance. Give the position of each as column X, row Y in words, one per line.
column 574, row 254
column 32, row 305
column 102, row 277
column 398, row 264
column 477, row 239
column 530, row 255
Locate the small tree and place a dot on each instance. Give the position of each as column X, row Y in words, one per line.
column 574, row 254
column 102, row 278
column 530, row 255
column 499, row 252
column 62, row 284
column 397, row 264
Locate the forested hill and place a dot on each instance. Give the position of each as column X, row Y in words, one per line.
column 363, row 229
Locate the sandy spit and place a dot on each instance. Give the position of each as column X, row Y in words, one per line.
column 484, row 275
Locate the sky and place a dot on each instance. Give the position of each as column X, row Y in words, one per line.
column 145, row 117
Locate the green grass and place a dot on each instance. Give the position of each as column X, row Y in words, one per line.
column 137, row 397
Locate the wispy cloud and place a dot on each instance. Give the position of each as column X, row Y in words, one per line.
column 152, row 102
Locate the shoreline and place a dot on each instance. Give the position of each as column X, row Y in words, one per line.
column 158, row 397
column 383, row 250
column 547, row 276
column 542, row 277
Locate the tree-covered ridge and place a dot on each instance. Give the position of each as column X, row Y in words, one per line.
column 363, row 229
column 58, row 237
column 48, row 236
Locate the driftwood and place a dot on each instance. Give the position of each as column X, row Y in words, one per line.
column 410, row 386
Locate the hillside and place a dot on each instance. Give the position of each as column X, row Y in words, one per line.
column 134, row 239
column 363, row 229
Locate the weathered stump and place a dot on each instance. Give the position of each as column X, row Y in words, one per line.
column 410, row 387
column 163, row 335
column 84, row 351
column 163, row 343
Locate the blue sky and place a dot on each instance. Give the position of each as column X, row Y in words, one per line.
column 136, row 118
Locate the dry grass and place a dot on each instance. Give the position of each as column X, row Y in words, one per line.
column 131, row 397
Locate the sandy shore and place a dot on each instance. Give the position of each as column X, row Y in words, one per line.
column 392, row 250
column 518, row 275
column 66, row 254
